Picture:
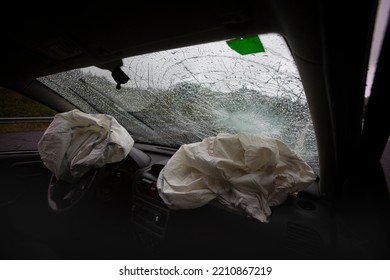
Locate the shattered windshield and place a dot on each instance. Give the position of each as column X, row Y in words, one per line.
column 183, row 95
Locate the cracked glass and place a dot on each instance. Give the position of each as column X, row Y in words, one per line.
column 184, row 95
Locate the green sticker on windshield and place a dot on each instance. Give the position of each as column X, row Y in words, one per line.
column 246, row 45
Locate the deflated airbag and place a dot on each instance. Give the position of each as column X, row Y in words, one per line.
column 76, row 142
column 243, row 171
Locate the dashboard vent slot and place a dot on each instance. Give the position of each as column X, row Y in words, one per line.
column 148, row 188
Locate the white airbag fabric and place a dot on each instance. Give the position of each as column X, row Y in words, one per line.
column 243, row 171
column 75, row 142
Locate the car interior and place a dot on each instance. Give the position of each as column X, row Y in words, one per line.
column 117, row 212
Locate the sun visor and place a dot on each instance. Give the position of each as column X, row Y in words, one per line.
column 243, row 171
column 76, row 142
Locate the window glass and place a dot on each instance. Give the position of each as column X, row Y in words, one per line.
column 22, row 121
column 184, row 95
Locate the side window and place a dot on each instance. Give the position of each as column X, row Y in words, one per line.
column 22, row 121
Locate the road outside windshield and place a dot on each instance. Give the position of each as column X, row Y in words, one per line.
column 184, row 95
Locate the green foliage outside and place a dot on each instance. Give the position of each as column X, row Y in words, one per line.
column 13, row 105
column 20, row 127
column 16, row 105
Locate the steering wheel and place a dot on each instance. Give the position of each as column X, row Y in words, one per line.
column 63, row 195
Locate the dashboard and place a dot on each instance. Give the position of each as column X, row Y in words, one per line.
column 122, row 216
column 190, row 233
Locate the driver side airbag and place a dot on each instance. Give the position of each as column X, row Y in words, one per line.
column 76, row 142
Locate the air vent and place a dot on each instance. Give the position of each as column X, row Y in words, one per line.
column 156, row 169
column 148, row 188
column 149, row 217
column 303, row 241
